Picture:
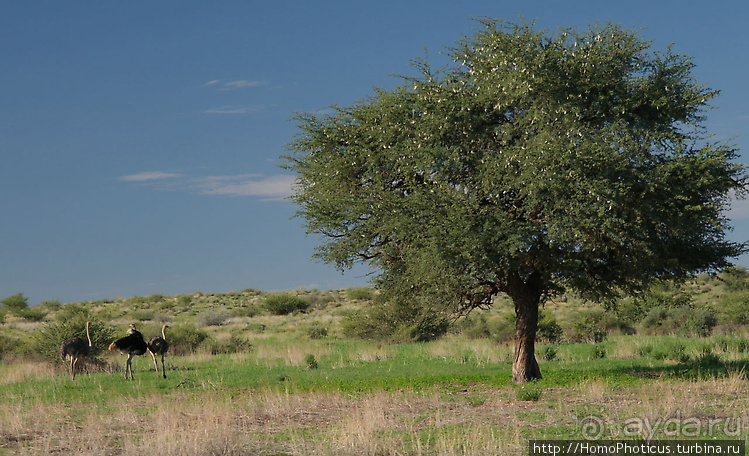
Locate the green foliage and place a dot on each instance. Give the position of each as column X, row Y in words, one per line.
column 395, row 321
column 666, row 349
column 599, row 351
column 589, row 328
column 15, row 303
column 707, row 358
column 685, row 321
column 45, row 343
column 234, row 344
column 36, row 313
column 537, row 161
column 736, row 279
column 8, row 345
column 185, row 339
column 143, row 315
column 284, row 304
column 529, row 392
column 211, row 318
column 52, row 304
column 733, row 307
column 364, row 294
column 573, row 157
column 317, row 330
column 549, row 352
column 311, row 362
column 548, row 328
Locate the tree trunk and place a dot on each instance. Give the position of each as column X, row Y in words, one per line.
column 526, row 297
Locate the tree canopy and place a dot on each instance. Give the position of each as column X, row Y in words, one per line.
column 537, row 161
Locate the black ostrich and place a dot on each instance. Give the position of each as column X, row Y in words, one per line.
column 133, row 344
column 159, row 346
column 75, row 348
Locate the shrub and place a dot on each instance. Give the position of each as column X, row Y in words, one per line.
column 529, row 392
column 736, row 279
column 363, row 293
column 548, row 328
column 588, row 328
column 284, row 304
column 734, row 308
column 707, row 358
column 395, row 322
column 234, row 344
column 599, row 351
column 8, row 345
column 317, row 331
column 311, row 362
column 185, row 339
column 211, row 318
column 549, row 352
column 673, row 350
column 52, row 304
column 46, row 342
column 142, row 315
column 682, row 321
column 15, row 303
column 33, row 314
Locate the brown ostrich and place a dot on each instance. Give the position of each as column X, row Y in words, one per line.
column 133, row 344
column 159, row 346
column 75, row 348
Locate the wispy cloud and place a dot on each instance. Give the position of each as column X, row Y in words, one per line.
column 234, row 85
column 148, row 176
column 268, row 188
column 232, row 109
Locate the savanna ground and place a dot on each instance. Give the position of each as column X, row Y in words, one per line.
column 264, row 384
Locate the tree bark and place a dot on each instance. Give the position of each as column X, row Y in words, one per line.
column 526, row 296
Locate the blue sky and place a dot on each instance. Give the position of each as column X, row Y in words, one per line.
column 140, row 141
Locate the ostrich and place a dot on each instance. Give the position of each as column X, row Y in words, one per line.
column 133, row 344
column 158, row 345
column 76, row 348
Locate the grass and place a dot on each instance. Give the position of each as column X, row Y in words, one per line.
column 437, row 398
column 294, row 391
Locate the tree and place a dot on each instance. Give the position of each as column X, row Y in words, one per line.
column 536, row 162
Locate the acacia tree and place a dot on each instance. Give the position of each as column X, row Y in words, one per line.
column 536, row 162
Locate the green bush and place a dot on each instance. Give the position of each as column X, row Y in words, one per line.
column 317, row 330
column 674, row 350
column 46, row 341
column 548, row 328
column 733, row 308
column 284, row 304
column 395, row 322
column 234, row 344
column 363, row 294
column 8, row 345
column 589, row 328
column 549, row 352
column 529, row 392
column 736, row 279
column 35, row 313
column 15, row 303
column 599, row 351
column 683, row 321
column 211, row 318
column 311, row 362
column 707, row 358
column 185, row 339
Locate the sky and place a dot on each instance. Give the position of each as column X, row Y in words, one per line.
column 140, row 141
